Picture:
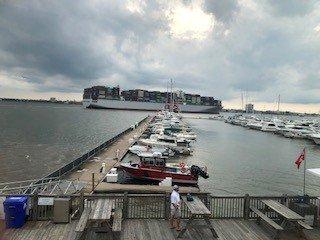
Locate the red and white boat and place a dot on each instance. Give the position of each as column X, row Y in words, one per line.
column 156, row 169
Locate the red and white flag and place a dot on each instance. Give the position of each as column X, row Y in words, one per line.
column 301, row 158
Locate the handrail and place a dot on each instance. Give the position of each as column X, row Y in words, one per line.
column 137, row 206
column 88, row 155
column 25, row 181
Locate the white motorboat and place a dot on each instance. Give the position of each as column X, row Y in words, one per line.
column 138, row 149
column 256, row 125
column 315, row 137
column 297, row 131
column 181, row 146
column 268, row 127
column 189, row 136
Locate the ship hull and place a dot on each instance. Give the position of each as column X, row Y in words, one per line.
column 145, row 106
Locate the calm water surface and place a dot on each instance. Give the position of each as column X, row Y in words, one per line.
column 37, row 138
column 242, row 161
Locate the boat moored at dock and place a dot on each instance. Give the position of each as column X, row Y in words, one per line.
column 156, row 169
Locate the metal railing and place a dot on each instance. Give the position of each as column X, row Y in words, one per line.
column 157, row 206
column 90, row 154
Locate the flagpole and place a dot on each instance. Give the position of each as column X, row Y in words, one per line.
column 304, row 173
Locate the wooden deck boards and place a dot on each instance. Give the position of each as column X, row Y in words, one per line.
column 282, row 210
column 230, row 229
column 43, row 230
column 105, row 187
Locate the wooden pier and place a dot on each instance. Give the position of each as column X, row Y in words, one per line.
column 111, row 156
column 151, row 229
column 105, row 187
column 145, row 209
column 145, row 217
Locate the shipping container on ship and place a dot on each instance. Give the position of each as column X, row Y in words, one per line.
column 139, row 99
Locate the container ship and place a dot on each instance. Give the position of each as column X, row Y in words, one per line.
column 112, row 98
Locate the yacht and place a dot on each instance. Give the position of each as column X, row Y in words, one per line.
column 315, row 137
column 139, row 149
column 269, row 127
column 178, row 145
column 254, row 124
column 188, row 136
column 297, row 131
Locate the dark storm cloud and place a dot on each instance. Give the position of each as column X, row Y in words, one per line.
column 60, row 38
column 264, row 46
column 291, row 8
column 36, row 38
column 222, row 10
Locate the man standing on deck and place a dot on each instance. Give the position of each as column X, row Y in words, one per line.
column 175, row 209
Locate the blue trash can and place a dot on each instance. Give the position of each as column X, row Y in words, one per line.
column 15, row 209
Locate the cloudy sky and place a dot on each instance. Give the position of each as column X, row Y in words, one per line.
column 212, row 47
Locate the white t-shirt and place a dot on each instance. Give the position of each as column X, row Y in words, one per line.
column 175, row 198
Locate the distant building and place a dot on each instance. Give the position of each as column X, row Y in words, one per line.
column 53, row 99
column 249, row 108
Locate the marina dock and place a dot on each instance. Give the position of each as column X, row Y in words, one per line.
column 111, row 156
column 142, row 211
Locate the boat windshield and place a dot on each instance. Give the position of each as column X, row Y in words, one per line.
column 153, row 162
column 166, row 140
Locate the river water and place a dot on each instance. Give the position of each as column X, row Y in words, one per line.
column 241, row 160
column 38, row 138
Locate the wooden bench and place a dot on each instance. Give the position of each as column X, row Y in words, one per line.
column 304, row 225
column 271, row 223
column 82, row 224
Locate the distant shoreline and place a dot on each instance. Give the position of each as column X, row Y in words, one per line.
column 40, row 101
column 284, row 113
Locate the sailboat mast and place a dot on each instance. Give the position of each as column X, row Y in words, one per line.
column 278, row 103
column 171, row 98
column 242, row 101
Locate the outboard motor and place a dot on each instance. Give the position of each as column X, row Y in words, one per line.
column 198, row 171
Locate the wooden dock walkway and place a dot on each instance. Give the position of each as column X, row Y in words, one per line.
column 227, row 229
column 109, row 157
column 105, row 187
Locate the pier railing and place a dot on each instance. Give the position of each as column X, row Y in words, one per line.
column 157, row 206
column 90, row 154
